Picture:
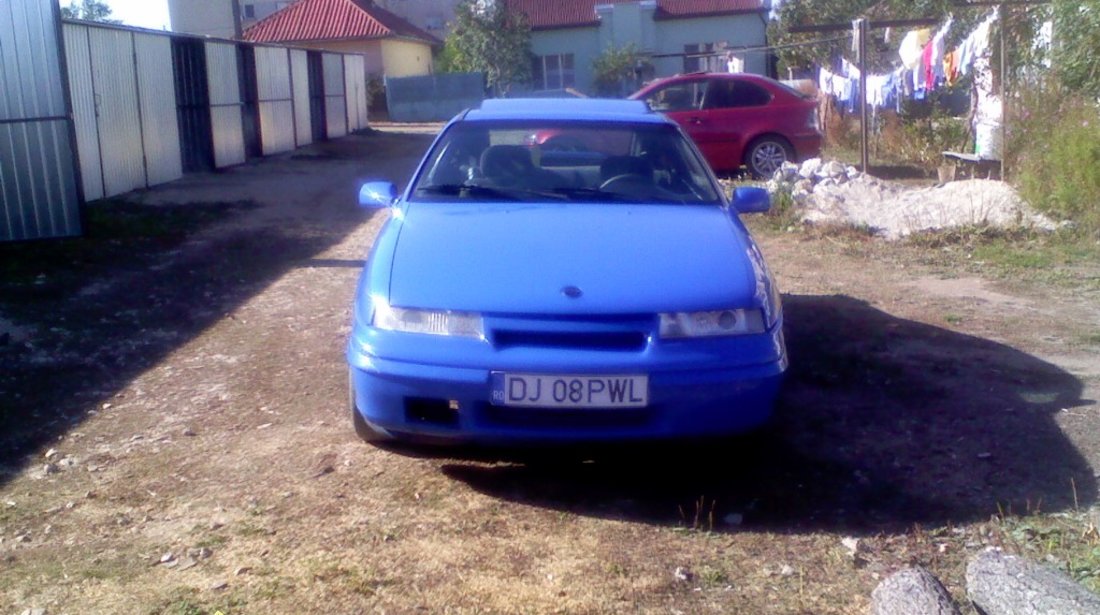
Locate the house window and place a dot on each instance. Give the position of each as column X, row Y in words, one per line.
column 554, row 72
column 702, row 58
column 248, row 11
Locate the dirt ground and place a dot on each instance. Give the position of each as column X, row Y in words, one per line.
column 174, row 436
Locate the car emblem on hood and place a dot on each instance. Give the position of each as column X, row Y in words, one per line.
column 571, row 291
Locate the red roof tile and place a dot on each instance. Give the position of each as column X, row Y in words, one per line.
column 317, row 20
column 543, row 15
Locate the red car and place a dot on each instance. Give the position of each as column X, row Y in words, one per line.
column 738, row 119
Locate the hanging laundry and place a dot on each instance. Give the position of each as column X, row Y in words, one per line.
column 951, row 67
column 849, row 70
column 825, row 81
column 975, row 45
column 912, row 46
column 935, row 66
column 923, row 73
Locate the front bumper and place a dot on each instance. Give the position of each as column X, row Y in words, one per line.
column 428, row 402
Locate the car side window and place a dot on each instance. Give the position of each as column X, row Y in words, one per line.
column 731, row 93
column 747, row 94
column 683, row 96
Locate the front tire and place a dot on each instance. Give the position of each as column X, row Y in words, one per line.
column 766, row 155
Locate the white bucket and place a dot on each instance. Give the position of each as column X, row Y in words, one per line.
column 988, row 140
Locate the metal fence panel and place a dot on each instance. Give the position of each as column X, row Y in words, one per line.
column 115, row 83
column 433, row 97
column 38, row 196
column 38, row 191
column 30, row 82
column 225, row 103
column 336, row 112
column 299, row 77
column 275, row 99
column 82, row 93
column 156, row 90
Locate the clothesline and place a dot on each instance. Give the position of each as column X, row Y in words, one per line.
column 925, row 66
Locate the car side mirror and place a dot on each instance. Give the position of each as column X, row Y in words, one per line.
column 377, row 195
column 751, row 200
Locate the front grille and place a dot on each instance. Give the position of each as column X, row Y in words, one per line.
column 583, row 340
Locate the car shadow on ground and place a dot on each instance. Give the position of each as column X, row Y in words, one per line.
column 883, row 423
column 80, row 318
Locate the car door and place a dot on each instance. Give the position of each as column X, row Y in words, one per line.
column 734, row 111
column 682, row 101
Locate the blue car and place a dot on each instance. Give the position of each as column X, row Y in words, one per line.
column 563, row 272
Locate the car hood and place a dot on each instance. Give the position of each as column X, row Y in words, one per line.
column 519, row 258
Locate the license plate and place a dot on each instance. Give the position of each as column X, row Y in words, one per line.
column 570, row 391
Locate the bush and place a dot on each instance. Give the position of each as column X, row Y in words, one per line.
column 1054, row 150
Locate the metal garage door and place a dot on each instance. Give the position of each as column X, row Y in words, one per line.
column 276, row 101
column 225, row 103
column 336, row 113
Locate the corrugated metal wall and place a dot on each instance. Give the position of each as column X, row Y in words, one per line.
column 124, row 108
column 156, row 90
column 38, row 191
column 117, row 112
column 109, row 107
column 336, row 112
column 299, row 77
column 82, row 92
column 276, row 99
column 223, row 82
column 355, row 88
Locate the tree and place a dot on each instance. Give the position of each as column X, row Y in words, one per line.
column 487, row 37
column 615, row 68
column 88, row 10
column 1076, row 39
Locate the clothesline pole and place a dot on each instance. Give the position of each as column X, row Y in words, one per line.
column 863, row 132
column 1004, row 89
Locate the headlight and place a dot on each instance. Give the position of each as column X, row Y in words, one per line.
column 431, row 322
column 710, row 324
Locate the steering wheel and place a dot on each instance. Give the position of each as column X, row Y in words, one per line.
column 630, row 182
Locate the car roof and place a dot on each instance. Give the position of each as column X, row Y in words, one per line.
column 591, row 109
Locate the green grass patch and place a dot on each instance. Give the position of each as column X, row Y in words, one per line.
column 1067, row 257
column 1068, row 541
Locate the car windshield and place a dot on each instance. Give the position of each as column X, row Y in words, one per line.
column 564, row 161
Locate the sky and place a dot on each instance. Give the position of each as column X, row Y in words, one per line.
column 142, row 13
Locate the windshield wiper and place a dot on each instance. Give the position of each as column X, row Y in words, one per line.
column 470, row 190
column 594, row 194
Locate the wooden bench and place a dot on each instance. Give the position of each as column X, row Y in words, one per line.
column 961, row 165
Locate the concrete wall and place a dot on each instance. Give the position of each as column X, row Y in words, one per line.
column 401, row 58
column 633, row 23
column 433, row 98
column 390, row 57
column 734, row 30
column 583, row 43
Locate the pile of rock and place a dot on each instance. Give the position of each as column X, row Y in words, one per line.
column 996, row 583
column 834, row 193
column 801, row 180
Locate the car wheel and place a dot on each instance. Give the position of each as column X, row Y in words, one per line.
column 363, row 429
column 765, row 155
